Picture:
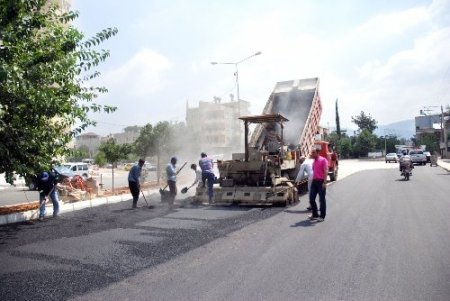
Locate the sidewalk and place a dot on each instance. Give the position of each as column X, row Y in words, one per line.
column 23, row 216
column 444, row 163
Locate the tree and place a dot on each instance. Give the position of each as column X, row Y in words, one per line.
column 431, row 141
column 388, row 141
column 45, row 66
column 100, row 159
column 365, row 143
column 145, row 143
column 338, row 122
column 114, row 152
column 345, row 147
column 365, row 122
column 79, row 153
column 162, row 141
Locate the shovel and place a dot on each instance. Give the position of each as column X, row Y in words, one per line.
column 185, row 189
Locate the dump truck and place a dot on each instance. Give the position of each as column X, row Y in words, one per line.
column 265, row 172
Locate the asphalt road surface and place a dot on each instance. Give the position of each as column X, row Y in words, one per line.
column 383, row 239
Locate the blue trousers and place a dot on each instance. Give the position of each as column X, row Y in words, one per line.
column 54, row 197
column 318, row 189
column 211, row 178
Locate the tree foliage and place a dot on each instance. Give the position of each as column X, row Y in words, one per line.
column 79, row 153
column 431, row 141
column 365, row 122
column 114, row 152
column 162, row 140
column 365, row 142
column 45, row 66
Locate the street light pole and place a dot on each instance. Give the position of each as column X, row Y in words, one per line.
column 237, row 82
column 237, row 71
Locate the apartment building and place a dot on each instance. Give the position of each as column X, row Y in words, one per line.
column 215, row 125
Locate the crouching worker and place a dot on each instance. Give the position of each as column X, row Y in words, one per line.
column 47, row 188
column 198, row 175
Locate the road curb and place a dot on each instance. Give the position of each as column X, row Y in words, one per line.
column 23, row 216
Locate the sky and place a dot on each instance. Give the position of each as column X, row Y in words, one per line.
column 389, row 59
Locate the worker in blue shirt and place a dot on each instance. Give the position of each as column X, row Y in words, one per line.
column 133, row 181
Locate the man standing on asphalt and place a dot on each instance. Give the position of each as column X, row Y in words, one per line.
column 133, row 181
column 207, row 166
column 318, row 186
column 47, row 188
column 171, row 172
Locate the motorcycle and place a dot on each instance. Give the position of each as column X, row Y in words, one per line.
column 406, row 172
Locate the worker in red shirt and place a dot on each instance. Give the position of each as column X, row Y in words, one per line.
column 318, row 186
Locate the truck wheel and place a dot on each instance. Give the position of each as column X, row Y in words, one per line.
column 333, row 177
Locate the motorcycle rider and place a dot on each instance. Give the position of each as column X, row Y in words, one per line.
column 405, row 161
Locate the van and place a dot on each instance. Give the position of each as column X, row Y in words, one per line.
column 78, row 168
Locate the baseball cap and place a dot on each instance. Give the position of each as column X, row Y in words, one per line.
column 44, row 176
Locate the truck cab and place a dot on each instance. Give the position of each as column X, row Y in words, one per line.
column 332, row 157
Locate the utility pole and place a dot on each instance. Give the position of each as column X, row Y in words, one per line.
column 443, row 135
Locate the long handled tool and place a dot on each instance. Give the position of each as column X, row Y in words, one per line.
column 145, row 198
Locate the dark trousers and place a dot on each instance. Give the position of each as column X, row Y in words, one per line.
column 317, row 188
column 210, row 178
column 134, row 189
column 172, row 191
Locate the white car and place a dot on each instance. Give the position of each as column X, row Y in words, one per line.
column 391, row 157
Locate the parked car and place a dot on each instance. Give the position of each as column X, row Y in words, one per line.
column 61, row 173
column 149, row 166
column 418, row 157
column 391, row 157
column 78, row 168
column 428, row 154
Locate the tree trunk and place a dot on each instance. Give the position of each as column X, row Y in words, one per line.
column 112, row 179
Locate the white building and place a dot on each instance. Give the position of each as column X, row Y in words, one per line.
column 215, row 125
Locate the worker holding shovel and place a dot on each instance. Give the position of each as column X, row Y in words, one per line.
column 133, row 181
column 47, row 188
column 171, row 171
column 198, row 178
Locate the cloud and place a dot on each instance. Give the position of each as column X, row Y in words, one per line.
column 141, row 75
column 394, row 23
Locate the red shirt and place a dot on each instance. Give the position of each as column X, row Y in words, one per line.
column 320, row 164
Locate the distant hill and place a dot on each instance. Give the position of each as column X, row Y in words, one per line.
column 402, row 129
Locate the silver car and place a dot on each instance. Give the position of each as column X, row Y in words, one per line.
column 391, row 157
column 418, row 157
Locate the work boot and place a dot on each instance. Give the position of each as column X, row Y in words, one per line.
column 134, row 206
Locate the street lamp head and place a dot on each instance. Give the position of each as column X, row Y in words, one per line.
column 258, row 53
column 214, row 63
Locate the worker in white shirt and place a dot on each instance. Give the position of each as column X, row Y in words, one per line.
column 305, row 171
column 198, row 175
